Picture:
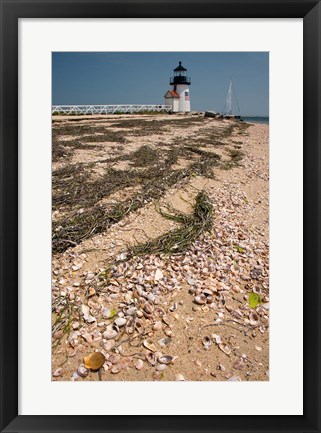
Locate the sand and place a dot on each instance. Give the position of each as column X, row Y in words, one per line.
column 240, row 200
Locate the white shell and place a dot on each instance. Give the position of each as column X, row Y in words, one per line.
column 206, row 342
column 150, row 345
column 179, row 377
column 151, row 358
column 111, row 332
column 217, row 338
column 225, row 348
column 158, row 275
column 200, row 299
column 161, row 367
column 120, row 321
column 158, row 326
column 58, row 372
column 139, row 364
column 166, row 359
column 86, row 313
column 108, row 345
column 82, row 371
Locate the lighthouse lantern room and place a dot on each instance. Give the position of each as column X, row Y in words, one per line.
column 179, row 98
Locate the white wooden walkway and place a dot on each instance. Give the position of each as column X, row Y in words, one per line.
column 109, row 109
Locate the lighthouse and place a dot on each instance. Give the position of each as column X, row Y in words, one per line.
column 179, row 98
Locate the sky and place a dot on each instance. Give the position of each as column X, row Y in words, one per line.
column 110, row 78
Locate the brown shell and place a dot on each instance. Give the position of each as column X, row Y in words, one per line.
column 94, row 360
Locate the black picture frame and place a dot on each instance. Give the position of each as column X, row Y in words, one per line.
column 11, row 11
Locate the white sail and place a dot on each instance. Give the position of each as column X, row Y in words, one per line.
column 228, row 107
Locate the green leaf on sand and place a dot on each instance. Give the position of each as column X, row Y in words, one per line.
column 112, row 313
column 254, row 300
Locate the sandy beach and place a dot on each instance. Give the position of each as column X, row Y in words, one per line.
column 160, row 248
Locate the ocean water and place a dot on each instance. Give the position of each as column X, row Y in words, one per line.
column 264, row 120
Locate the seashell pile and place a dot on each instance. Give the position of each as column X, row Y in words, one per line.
column 137, row 308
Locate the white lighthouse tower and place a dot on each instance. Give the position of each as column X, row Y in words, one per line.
column 179, row 97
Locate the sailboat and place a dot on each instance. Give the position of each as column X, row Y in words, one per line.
column 228, row 107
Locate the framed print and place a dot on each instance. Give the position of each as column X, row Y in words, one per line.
column 160, row 236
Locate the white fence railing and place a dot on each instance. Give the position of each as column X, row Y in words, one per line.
column 109, row 109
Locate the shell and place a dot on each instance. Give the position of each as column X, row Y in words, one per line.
column 86, row 313
column 91, row 291
column 157, row 326
column 139, row 364
column 168, row 332
column 200, row 299
column 94, row 361
column 131, row 311
column 207, row 292
column 58, row 372
column 111, row 332
column 206, row 342
column 120, row 321
column 225, row 348
column 139, row 326
column 151, row 358
column 217, row 338
column 82, row 371
column 108, row 345
column 239, row 363
column 173, row 307
column 114, row 359
column 161, row 367
column 166, row 320
column 254, row 318
column 107, row 313
column 166, row 359
column 158, row 275
column 150, row 345
column 179, row 377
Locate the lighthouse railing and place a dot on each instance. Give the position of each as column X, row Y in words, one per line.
column 110, row 109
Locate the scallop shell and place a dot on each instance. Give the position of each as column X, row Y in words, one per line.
column 94, row 360
column 150, row 345
column 82, row 371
